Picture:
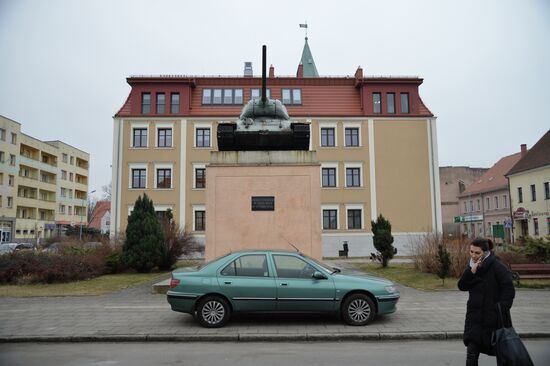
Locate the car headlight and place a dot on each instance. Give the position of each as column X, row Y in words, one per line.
column 390, row 289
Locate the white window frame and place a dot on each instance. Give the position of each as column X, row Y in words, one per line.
column 333, row 125
column 201, row 125
column 331, row 207
column 159, row 126
column 134, row 126
column 361, row 175
column 356, row 206
column 329, row 165
column 353, row 125
column 156, row 207
column 195, row 167
column 137, row 166
column 163, row 166
column 198, row 208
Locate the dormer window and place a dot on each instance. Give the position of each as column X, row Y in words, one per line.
column 145, row 103
column 404, row 102
column 376, row 103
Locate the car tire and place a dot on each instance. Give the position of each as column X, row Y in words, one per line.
column 213, row 312
column 358, row 309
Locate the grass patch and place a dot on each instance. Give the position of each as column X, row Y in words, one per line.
column 96, row 286
column 406, row 274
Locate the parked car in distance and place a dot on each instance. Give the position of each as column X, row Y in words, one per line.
column 12, row 247
column 277, row 281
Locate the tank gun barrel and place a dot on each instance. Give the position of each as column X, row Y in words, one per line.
column 264, row 88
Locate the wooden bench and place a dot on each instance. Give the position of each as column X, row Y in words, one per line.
column 530, row 271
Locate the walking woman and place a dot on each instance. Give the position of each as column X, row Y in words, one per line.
column 488, row 282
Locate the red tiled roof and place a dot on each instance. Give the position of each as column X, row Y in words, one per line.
column 99, row 211
column 126, row 107
column 494, row 178
column 538, row 156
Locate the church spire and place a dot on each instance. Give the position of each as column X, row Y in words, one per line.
column 309, row 69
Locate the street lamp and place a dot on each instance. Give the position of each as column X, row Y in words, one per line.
column 80, row 236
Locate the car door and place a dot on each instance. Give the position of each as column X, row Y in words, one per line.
column 297, row 290
column 248, row 283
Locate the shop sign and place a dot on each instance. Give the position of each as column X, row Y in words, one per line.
column 521, row 214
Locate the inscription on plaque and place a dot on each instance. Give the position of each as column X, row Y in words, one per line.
column 263, row 203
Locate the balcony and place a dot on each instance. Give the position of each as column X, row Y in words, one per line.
column 37, row 164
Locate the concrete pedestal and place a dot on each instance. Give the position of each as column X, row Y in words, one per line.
column 285, row 189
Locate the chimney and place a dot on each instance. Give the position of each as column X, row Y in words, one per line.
column 359, row 73
column 271, row 71
column 523, row 150
column 248, row 69
column 300, row 71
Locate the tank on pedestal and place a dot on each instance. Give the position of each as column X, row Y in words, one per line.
column 264, row 124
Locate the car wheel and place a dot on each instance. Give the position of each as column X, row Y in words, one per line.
column 358, row 309
column 213, row 312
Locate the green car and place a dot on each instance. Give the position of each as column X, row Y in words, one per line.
column 277, row 281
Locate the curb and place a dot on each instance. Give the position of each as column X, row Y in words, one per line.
column 250, row 337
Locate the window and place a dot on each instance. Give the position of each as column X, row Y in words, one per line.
column 2, row 134
column 353, row 177
column 546, row 191
column 64, row 174
column 64, row 158
column 487, row 203
column 238, row 96
column 63, row 192
column 12, row 160
column 533, row 193
column 145, row 103
column 292, row 267
column 536, row 226
column 327, row 137
column 404, row 102
column 139, row 137
column 0, row 200
column 354, row 219
column 1, row 178
column 505, row 201
column 217, row 96
column 330, row 219
column 139, row 178
column 228, row 96
column 71, row 177
column 72, row 160
column 291, row 96
column 13, row 138
column 200, row 220
column 548, row 225
column 11, row 180
column 164, row 137
column 328, row 177
column 247, row 265
column 520, row 195
column 352, row 136
column 207, row 96
column 391, row 102
column 2, row 156
column 255, row 93
column 471, row 206
column 478, row 202
column 202, row 137
column 376, row 103
column 161, row 102
column 164, row 178
column 10, row 202
column 200, row 178
column 175, row 103
column 62, row 209
column 496, row 202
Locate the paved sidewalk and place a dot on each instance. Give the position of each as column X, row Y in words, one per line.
column 137, row 315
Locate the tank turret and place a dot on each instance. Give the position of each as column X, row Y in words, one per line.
column 264, row 124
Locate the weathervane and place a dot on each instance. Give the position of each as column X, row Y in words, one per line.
column 304, row 26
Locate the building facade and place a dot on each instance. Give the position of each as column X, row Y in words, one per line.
column 100, row 219
column 453, row 181
column 44, row 185
column 485, row 204
column 373, row 136
column 529, row 181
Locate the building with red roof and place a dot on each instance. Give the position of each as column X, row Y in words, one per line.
column 100, row 219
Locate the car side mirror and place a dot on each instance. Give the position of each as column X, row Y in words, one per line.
column 319, row 276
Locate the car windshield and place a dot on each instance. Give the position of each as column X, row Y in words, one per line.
column 325, row 266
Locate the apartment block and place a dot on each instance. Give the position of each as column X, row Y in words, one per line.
column 374, row 137
column 47, row 186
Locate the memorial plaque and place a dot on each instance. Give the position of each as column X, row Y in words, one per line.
column 263, row 203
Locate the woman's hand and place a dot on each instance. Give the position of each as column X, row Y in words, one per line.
column 476, row 266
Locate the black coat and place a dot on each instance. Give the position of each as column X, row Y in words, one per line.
column 491, row 284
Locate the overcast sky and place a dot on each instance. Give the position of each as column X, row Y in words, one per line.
column 485, row 64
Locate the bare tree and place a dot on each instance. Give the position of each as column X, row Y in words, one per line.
column 107, row 191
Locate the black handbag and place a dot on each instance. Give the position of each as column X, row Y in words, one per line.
column 510, row 350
